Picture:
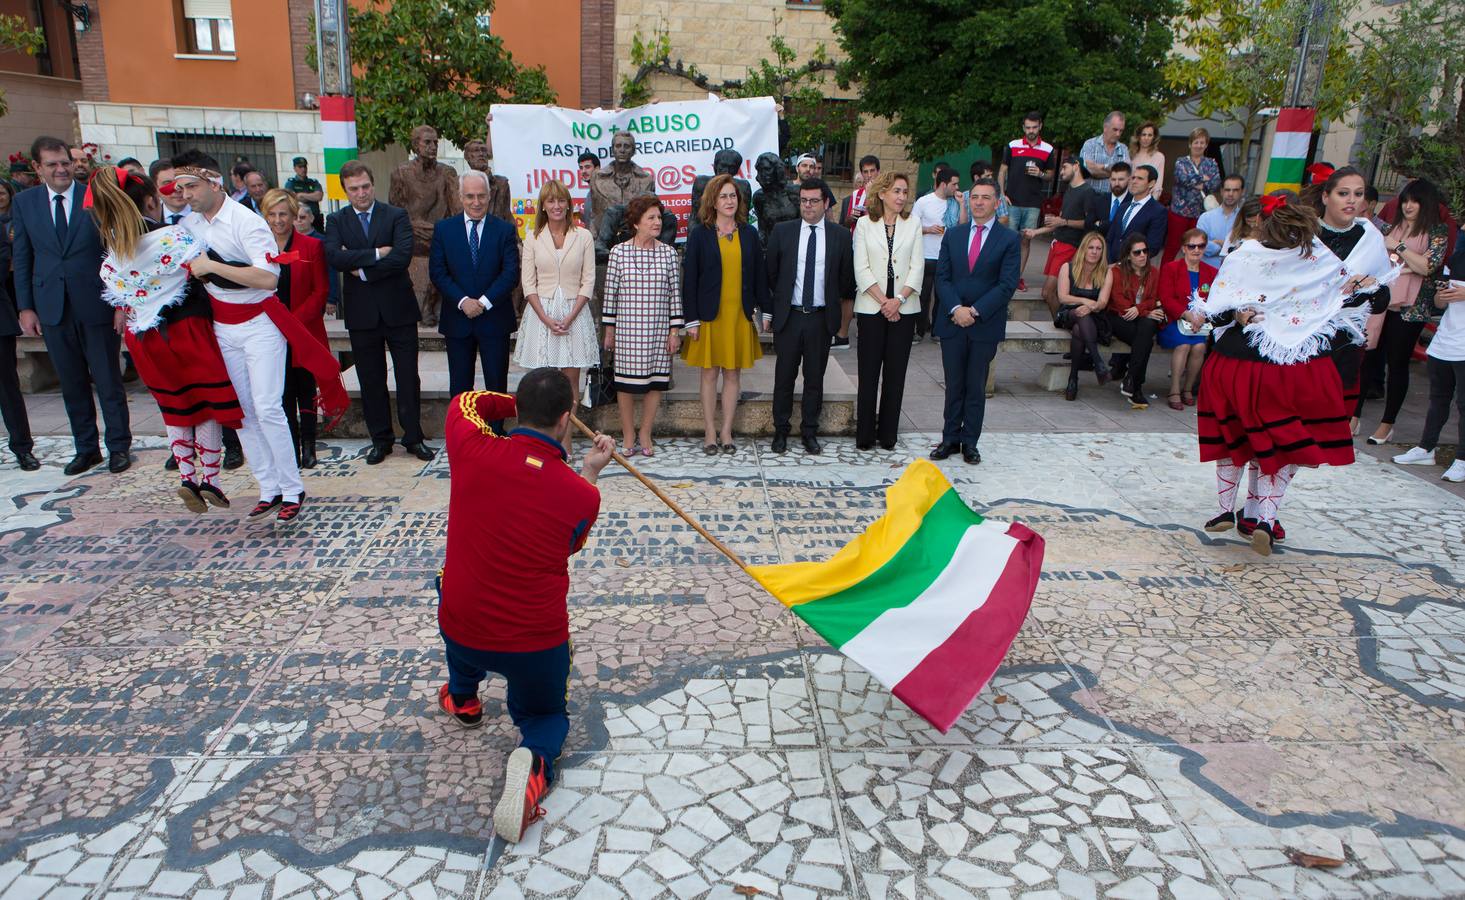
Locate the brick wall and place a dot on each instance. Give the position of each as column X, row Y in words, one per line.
column 598, row 76
column 302, row 37
column 92, row 59
column 723, row 38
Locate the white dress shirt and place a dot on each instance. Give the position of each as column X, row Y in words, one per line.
column 182, row 214
column 1134, row 208
column 797, row 300
column 468, row 234
column 238, row 236
column 65, row 204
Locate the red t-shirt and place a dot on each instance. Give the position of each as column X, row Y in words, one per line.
column 517, row 512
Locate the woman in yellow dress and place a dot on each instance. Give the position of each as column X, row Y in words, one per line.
column 724, row 287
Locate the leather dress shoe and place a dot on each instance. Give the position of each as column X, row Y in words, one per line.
column 811, row 446
column 970, row 455
column 27, row 461
column 944, row 450
column 780, row 443
column 377, row 453
column 81, row 462
column 307, row 456
column 119, row 462
column 171, row 463
column 233, row 458
column 421, row 451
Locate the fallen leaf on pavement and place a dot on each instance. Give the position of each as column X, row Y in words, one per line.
column 1000, row 698
column 746, row 890
column 1312, row 861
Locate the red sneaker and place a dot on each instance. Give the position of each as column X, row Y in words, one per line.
column 469, row 715
column 525, row 785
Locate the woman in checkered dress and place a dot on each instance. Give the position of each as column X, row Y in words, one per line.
column 642, row 311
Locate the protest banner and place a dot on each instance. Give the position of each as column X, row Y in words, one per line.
column 675, row 141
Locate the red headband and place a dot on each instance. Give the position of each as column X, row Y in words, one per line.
column 1271, row 204
column 86, row 201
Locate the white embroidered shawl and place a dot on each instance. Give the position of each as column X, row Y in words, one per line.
column 154, row 278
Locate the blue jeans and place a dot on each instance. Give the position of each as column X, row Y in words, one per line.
column 538, row 691
column 1020, row 217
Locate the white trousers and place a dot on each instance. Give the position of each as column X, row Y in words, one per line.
column 254, row 354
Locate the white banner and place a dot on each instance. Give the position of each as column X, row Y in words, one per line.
column 675, row 141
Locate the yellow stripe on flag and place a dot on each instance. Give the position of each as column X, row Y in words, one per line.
column 334, row 191
column 906, row 503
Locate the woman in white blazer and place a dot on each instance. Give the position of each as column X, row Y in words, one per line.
column 889, row 266
column 557, row 273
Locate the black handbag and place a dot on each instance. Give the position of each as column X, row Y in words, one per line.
column 600, row 389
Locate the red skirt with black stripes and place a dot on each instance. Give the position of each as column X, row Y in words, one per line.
column 1276, row 415
column 181, row 365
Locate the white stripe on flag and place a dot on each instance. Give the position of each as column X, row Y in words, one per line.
column 338, row 135
column 896, row 642
column 1290, row 144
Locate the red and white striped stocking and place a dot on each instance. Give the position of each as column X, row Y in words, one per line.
column 1252, row 471
column 180, row 442
column 1270, row 490
column 1228, row 479
column 209, row 439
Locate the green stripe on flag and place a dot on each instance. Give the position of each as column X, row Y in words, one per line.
column 1285, row 170
column 336, row 156
column 913, row 568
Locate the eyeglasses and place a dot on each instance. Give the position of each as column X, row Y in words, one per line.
column 1195, row 246
column 811, row 201
column 1139, row 251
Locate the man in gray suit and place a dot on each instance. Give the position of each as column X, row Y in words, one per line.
column 811, row 271
column 58, row 288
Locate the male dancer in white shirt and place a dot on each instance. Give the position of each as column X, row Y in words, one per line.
column 252, row 328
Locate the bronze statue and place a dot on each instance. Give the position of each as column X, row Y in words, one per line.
column 775, row 200
column 726, row 162
column 428, row 190
column 475, row 154
column 619, row 182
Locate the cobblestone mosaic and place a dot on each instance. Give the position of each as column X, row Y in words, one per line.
column 201, row 706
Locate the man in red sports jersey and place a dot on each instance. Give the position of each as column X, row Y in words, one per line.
column 516, row 513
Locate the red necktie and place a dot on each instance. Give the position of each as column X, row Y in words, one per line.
column 976, row 248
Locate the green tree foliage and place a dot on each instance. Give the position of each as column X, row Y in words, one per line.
column 1411, row 72
column 426, row 62
column 1234, row 58
column 952, row 72
column 812, row 118
column 17, row 34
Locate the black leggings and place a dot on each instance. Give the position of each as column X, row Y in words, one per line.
column 1446, row 381
column 1139, row 333
column 1084, row 339
column 299, row 403
column 1397, row 343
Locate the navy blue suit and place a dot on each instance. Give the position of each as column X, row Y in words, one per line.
column 450, row 263
column 966, row 353
column 62, row 284
column 1151, row 221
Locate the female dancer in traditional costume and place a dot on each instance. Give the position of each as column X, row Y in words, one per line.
column 169, row 332
column 1271, row 393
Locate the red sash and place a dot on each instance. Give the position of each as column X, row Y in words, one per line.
column 309, row 353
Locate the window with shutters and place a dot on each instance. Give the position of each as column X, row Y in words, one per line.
column 207, row 27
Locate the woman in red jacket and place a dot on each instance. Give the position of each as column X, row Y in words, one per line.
column 1179, row 280
column 303, row 288
column 1135, row 315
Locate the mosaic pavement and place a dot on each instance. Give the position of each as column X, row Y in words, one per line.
column 200, row 707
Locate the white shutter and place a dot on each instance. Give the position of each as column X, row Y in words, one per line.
column 207, row 9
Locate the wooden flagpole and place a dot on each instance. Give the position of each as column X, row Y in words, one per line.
column 724, row 549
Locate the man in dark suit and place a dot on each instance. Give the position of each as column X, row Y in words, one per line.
column 58, row 288
column 811, row 270
column 474, row 264
column 12, row 402
column 371, row 244
column 1138, row 213
column 975, row 277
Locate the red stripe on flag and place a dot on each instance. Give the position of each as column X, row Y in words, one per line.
column 1295, row 118
column 944, row 684
column 337, row 109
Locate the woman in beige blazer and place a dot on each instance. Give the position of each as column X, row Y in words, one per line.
column 889, row 266
column 557, row 273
